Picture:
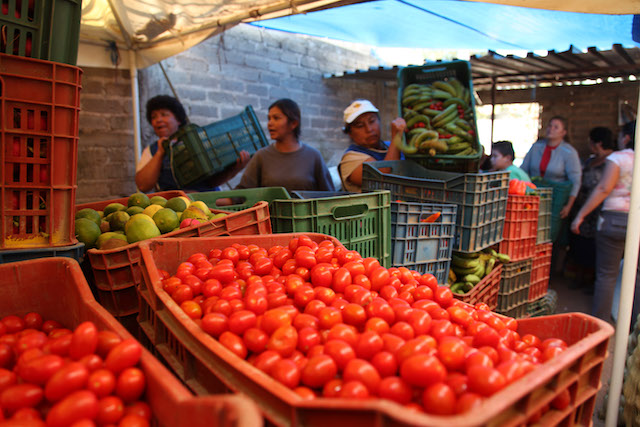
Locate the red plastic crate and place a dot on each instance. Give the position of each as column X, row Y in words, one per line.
column 520, row 230
column 485, row 291
column 205, row 365
column 116, row 272
column 57, row 289
column 39, row 109
column 540, row 271
column 513, row 296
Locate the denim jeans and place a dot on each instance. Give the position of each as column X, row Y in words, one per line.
column 610, row 239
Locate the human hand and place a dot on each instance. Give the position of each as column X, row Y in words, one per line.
column 161, row 141
column 398, row 125
column 564, row 212
column 575, row 225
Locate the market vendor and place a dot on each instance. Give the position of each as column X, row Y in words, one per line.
column 502, row 156
column 166, row 115
column 362, row 124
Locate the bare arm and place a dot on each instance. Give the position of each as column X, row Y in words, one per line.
column 602, row 190
column 393, row 153
column 147, row 177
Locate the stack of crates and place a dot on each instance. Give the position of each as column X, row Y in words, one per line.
column 541, row 263
column 39, row 107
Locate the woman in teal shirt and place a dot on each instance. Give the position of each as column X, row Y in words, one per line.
column 502, row 156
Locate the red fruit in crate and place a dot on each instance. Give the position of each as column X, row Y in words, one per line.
column 5, row 8
column 188, row 222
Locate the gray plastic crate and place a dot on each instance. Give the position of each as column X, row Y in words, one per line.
column 481, row 198
column 544, row 215
column 419, row 245
column 513, row 296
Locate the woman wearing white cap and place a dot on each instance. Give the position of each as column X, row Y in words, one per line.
column 362, row 124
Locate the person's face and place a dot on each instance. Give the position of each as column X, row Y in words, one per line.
column 556, row 130
column 365, row 130
column 499, row 161
column 164, row 122
column 279, row 125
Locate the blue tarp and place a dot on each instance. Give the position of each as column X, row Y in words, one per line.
column 451, row 24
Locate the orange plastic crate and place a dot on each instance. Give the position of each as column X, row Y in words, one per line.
column 485, row 291
column 520, row 230
column 39, row 109
column 540, row 271
column 116, row 272
column 57, row 289
column 205, row 365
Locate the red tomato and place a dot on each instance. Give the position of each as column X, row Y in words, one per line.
column 7, row 379
column 452, row 352
column 38, row 370
column 33, row 321
column 369, row 343
column 101, row 382
column 283, row 340
column 439, row 399
column 420, row 321
column 110, row 410
column 287, row 372
column 385, row 363
column 140, row 409
column 341, row 279
column 377, row 324
column 325, row 294
column 266, row 360
column 6, row 355
column 255, row 339
column 378, row 307
column 182, row 293
column 21, row 396
column 274, row 319
column 443, row 296
column 354, row 314
column 322, row 275
column 133, row 420
column 130, row 384
column 318, row 371
column 396, row 389
column 224, row 273
column 328, row 317
column 305, row 393
column 344, row 332
column 340, row 351
column 32, row 339
column 305, row 258
column 562, row 400
column 403, row 330
column 66, row 380
column 76, row 406
column 242, row 320
column 13, row 323
column 422, row 370
column 192, row 309
column 124, row 355
column 307, row 338
column 211, row 287
column 214, row 324
column 332, row 388
column 379, row 278
column 353, row 390
column 106, row 341
column 313, row 307
column 233, row 343
column 364, row 372
column 485, row 380
column 303, row 295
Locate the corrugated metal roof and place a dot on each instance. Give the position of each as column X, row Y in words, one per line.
column 513, row 72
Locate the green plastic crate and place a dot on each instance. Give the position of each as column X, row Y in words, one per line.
column 544, row 215
column 201, row 152
column 481, row 198
column 544, row 306
column 513, row 296
column 48, row 30
column 240, row 199
column 362, row 222
column 426, row 74
column 423, row 246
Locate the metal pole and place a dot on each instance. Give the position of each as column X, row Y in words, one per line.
column 493, row 105
column 626, row 294
column 135, row 100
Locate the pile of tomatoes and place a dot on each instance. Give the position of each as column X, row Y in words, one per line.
column 327, row 323
column 52, row 376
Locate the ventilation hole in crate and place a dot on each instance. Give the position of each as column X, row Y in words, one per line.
column 29, row 200
column 16, row 171
column 29, row 172
column 30, row 147
column 14, row 39
column 43, row 148
column 44, row 121
column 31, row 115
column 29, row 224
column 42, row 201
column 15, row 225
column 42, row 224
column 16, row 118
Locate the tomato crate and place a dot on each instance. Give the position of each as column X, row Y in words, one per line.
column 206, row 366
column 520, row 227
column 419, row 243
column 56, row 289
column 72, row 251
column 362, row 222
column 444, row 71
column 514, row 289
column 116, row 272
column 240, row 199
column 41, row 29
column 540, row 271
column 544, row 216
column 39, row 107
column 485, row 291
column 204, row 151
column 481, row 198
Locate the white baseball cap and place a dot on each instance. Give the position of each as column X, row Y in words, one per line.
column 358, row 108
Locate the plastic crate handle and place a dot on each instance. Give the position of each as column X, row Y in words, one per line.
column 349, row 212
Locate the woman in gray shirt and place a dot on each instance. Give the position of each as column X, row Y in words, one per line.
column 556, row 160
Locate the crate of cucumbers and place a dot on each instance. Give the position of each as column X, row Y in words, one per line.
column 436, row 100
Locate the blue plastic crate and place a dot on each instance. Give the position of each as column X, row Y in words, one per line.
column 419, row 245
column 73, row 251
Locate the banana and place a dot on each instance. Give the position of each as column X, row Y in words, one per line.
column 466, row 263
column 503, row 258
column 452, row 276
column 430, row 112
column 417, row 119
column 469, row 151
column 480, row 269
column 429, row 135
column 458, row 87
column 458, row 288
column 414, row 87
column 416, row 131
column 440, row 94
column 466, row 95
column 446, row 120
column 471, row 255
column 410, row 100
column 444, row 113
column 471, row 278
column 457, row 148
column 444, row 86
column 491, row 252
column 460, row 272
column 421, row 104
column 435, row 144
column 491, row 262
column 462, row 124
column 456, row 101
